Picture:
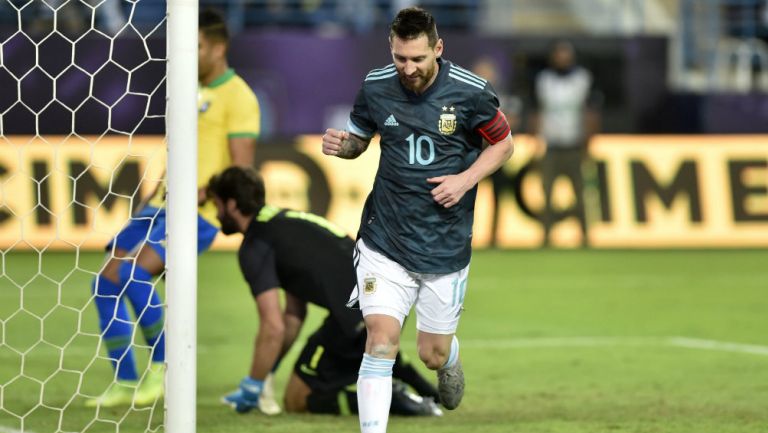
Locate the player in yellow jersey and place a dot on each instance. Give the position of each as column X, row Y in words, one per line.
column 228, row 125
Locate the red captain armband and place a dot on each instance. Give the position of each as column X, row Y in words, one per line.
column 495, row 130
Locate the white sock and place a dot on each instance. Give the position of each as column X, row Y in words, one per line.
column 374, row 393
column 454, row 355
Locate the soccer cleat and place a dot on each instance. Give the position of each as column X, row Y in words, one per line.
column 405, row 403
column 152, row 387
column 267, row 403
column 119, row 393
column 450, row 385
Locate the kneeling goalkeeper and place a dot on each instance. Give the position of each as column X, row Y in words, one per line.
column 312, row 261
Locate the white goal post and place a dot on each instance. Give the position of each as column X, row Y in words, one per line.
column 181, row 262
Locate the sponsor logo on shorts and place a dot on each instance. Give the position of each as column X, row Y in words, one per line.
column 369, row 286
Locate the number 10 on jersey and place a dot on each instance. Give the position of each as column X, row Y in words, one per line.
column 415, row 151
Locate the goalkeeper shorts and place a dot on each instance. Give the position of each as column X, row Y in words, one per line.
column 330, row 359
column 149, row 226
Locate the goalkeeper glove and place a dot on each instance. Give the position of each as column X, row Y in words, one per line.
column 246, row 397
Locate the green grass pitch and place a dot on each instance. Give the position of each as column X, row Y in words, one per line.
column 552, row 341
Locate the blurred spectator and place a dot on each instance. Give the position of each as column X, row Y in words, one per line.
column 566, row 117
column 511, row 105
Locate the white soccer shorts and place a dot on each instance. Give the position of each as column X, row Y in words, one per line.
column 385, row 287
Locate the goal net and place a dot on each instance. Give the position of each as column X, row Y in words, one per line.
column 83, row 93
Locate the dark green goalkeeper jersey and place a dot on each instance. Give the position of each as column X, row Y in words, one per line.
column 439, row 132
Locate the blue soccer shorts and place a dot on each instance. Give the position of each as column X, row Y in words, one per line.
column 149, row 226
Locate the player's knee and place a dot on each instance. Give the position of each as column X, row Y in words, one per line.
column 382, row 344
column 384, row 349
column 296, row 395
column 294, row 404
column 111, row 271
column 432, row 356
column 383, row 338
column 133, row 271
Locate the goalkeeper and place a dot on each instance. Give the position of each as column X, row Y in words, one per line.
column 311, row 259
column 228, row 124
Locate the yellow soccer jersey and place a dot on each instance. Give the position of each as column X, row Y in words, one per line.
column 227, row 108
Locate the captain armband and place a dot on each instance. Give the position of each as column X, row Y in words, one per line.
column 495, row 130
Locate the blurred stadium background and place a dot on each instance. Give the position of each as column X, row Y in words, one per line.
column 660, row 327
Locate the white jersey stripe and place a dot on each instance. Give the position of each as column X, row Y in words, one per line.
column 470, row 73
column 354, row 129
column 381, row 77
column 391, row 65
column 380, row 72
column 459, row 74
column 375, row 74
column 479, row 81
column 471, row 83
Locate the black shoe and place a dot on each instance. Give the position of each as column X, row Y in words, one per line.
column 405, row 403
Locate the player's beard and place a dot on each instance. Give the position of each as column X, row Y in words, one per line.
column 418, row 82
column 228, row 225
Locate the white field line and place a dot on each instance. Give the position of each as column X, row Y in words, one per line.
column 523, row 343
column 724, row 346
column 557, row 342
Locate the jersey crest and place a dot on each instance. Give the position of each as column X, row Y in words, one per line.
column 447, row 122
column 369, row 286
column 203, row 102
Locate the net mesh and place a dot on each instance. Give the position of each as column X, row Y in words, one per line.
column 82, row 112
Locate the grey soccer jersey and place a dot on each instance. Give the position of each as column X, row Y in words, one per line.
column 439, row 132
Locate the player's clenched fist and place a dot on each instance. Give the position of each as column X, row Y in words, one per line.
column 332, row 140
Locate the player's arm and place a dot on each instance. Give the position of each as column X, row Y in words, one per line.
column 490, row 160
column 361, row 128
column 343, row 144
column 266, row 350
column 269, row 339
column 242, row 151
column 451, row 188
column 243, row 126
column 293, row 319
column 258, row 264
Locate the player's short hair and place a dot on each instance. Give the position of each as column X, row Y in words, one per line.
column 243, row 184
column 411, row 23
column 213, row 25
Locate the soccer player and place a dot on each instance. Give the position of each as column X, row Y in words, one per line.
column 228, row 124
column 414, row 242
column 311, row 260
